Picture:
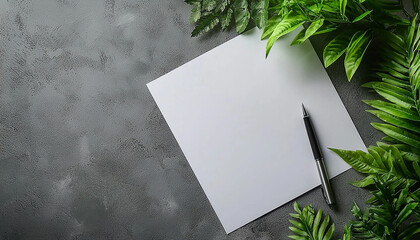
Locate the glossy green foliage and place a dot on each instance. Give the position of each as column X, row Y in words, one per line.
column 352, row 23
column 392, row 169
column 399, row 89
column 391, row 207
column 306, row 225
column 382, row 159
column 225, row 12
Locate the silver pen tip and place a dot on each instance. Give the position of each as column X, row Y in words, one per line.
column 304, row 111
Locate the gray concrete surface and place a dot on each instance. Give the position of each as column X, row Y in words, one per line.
column 85, row 152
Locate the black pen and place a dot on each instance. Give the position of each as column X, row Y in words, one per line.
column 323, row 174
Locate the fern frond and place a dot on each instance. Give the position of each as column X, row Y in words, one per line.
column 309, row 226
column 205, row 24
column 392, row 205
column 382, row 159
column 400, row 87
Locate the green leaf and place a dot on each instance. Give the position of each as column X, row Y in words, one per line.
column 242, row 15
column 288, row 24
column 400, row 135
column 329, row 233
column 405, row 213
column 195, row 12
column 300, row 38
column 411, row 31
column 343, row 4
column 355, row 51
column 410, row 231
column 394, row 109
column 402, row 123
column 221, row 5
column 369, row 180
column 323, row 227
column 359, row 160
column 259, row 12
column 296, row 207
column 225, row 19
column 361, row 16
column 317, row 221
column 298, row 231
column 308, row 226
column 402, row 199
column 298, row 237
column 205, row 24
column 326, row 28
column 191, row 2
column 297, row 224
column 209, row 5
column 336, row 47
column 271, row 25
column 393, row 95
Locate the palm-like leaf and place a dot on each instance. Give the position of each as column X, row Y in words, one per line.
column 392, row 205
column 400, row 86
column 310, row 226
column 382, row 159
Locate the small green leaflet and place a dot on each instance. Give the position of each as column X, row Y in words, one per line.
column 336, row 47
column 221, row 5
column 306, row 223
column 242, row 15
column 359, row 160
column 393, row 96
column 369, row 180
column 259, row 12
column 343, row 4
column 325, row 28
column 399, row 122
column 411, row 31
column 399, row 134
column 271, row 25
column 205, row 24
column 288, row 24
column 196, row 12
column 306, row 33
column 363, row 15
column 394, row 109
column 225, row 19
column 209, row 5
column 355, row 51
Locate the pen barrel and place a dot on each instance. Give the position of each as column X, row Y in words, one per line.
column 325, row 182
column 312, row 138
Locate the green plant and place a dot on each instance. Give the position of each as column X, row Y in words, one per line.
column 393, row 168
column 391, row 206
column 207, row 14
column 308, row 226
column 352, row 24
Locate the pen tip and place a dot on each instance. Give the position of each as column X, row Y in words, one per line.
column 304, row 110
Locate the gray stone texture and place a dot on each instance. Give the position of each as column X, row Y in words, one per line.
column 84, row 151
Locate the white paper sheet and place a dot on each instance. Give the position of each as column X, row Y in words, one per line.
column 238, row 119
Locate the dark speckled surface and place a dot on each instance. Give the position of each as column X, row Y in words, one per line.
column 85, row 152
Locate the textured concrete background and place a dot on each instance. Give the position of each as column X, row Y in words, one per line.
column 85, row 152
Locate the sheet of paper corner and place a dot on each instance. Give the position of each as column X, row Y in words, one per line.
column 238, row 120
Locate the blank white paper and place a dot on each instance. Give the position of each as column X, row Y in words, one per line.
column 237, row 117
